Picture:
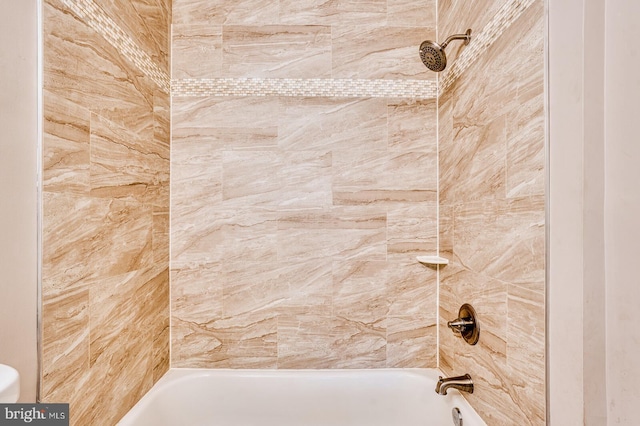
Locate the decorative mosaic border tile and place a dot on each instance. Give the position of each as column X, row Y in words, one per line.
column 415, row 89
column 97, row 19
column 502, row 20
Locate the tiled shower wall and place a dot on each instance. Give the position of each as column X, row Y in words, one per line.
column 492, row 211
column 105, row 288
column 298, row 207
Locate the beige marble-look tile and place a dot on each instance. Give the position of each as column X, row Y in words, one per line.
column 65, row 147
column 80, row 65
column 448, row 151
column 65, row 342
column 276, row 51
column 480, row 161
column 162, row 351
column 386, row 170
column 412, row 170
column 503, row 240
column 381, row 197
column 411, row 13
column 375, row 51
column 489, row 299
column 196, row 292
column 412, row 125
column 306, row 341
column 486, row 90
column 446, row 230
column 162, row 120
column 155, row 295
column 127, row 370
column 411, row 342
column 338, row 12
column 126, row 166
column 160, row 238
column 317, row 341
column 225, row 235
column 196, row 51
column 242, row 341
column 362, row 169
column 252, row 288
column 125, row 308
column 252, row 178
column 195, row 345
column 454, row 17
column 306, row 178
column 526, row 350
column 411, row 290
column 412, row 230
column 226, row 122
column 359, row 345
column 493, row 388
column 309, row 287
column 196, row 180
column 526, row 147
column 157, row 16
column 306, row 124
column 143, row 21
column 86, row 238
column 360, row 291
column 342, row 232
column 228, row 12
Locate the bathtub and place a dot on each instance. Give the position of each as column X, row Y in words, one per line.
column 386, row 397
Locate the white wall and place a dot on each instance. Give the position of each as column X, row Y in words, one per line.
column 594, row 286
column 566, row 206
column 18, row 205
column 622, row 210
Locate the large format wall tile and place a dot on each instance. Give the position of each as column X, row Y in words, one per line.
column 319, row 123
column 105, row 242
column 294, row 229
column 229, row 12
column 66, row 147
column 146, row 22
column 223, row 122
column 83, row 67
column 284, row 51
column 125, row 166
column 295, row 220
column 492, row 215
column 412, row 125
column 411, row 13
column 379, row 52
column 196, row 51
column 310, row 12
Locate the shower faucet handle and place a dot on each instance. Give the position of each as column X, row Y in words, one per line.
column 466, row 325
column 460, row 324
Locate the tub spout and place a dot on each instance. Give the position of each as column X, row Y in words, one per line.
column 462, row 383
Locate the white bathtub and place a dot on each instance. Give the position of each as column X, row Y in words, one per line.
column 196, row 397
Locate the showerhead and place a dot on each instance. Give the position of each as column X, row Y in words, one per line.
column 432, row 54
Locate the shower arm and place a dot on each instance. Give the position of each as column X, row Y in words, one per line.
column 466, row 37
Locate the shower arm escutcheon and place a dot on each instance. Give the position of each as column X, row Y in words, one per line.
column 466, row 324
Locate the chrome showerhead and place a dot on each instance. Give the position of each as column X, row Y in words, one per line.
column 432, row 53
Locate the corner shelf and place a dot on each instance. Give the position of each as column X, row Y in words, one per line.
column 432, row 260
